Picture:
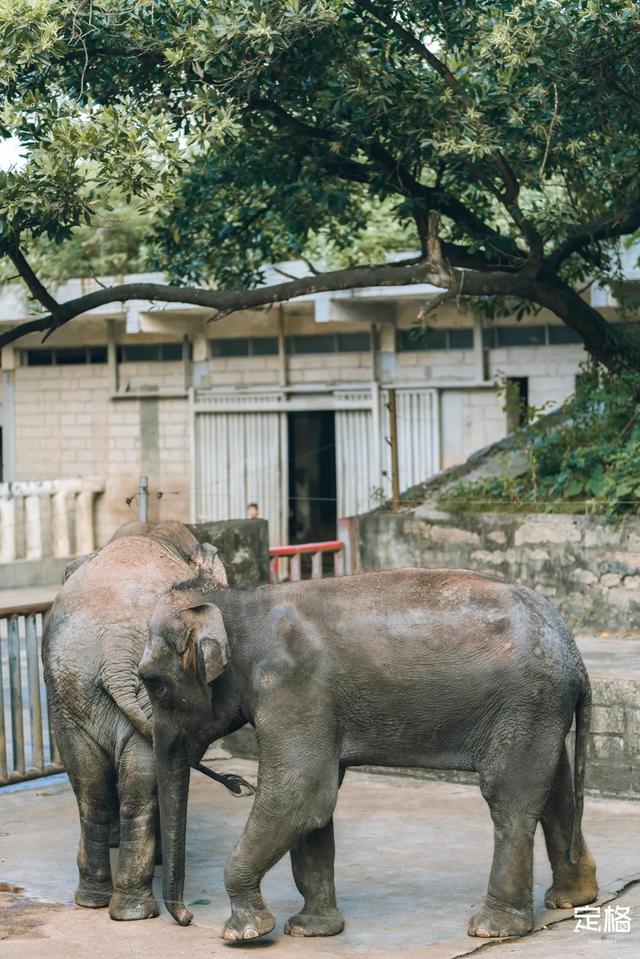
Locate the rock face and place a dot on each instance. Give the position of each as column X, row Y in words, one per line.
column 243, row 545
column 589, row 567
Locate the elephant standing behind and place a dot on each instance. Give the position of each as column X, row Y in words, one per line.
column 100, row 712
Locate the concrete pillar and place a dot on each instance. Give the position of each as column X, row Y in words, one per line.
column 33, row 527
column 60, row 538
column 7, row 525
column 85, row 539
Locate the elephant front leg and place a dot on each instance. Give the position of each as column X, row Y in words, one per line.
column 288, row 805
column 312, row 864
column 508, row 907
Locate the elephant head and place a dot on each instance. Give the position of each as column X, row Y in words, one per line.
column 186, row 650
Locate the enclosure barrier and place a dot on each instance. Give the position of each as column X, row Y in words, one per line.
column 27, row 746
column 44, row 518
column 293, row 555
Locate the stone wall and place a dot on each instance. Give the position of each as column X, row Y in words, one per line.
column 587, row 567
column 243, row 545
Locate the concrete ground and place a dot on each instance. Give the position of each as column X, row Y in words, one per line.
column 412, row 863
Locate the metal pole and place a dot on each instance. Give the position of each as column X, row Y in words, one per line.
column 393, row 442
column 143, row 499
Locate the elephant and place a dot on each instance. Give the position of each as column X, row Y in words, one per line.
column 439, row 668
column 93, row 640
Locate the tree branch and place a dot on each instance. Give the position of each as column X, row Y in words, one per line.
column 398, row 178
column 606, row 227
column 225, row 302
column 38, row 291
column 511, row 186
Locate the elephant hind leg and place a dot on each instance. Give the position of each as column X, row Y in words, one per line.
column 312, row 861
column 574, row 884
column 132, row 896
column 515, row 782
column 92, row 777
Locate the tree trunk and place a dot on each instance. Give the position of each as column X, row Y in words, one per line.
column 604, row 342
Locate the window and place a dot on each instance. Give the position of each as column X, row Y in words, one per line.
column 233, row 347
column 317, row 343
column 150, row 352
column 65, row 356
column 354, row 342
column 460, row 339
column 559, row 335
column 443, row 338
column 245, row 346
column 521, row 335
column 264, row 346
column 496, row 336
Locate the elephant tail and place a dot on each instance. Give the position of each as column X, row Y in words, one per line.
column 583, row 724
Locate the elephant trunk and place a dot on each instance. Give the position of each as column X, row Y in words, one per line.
column 173, row 791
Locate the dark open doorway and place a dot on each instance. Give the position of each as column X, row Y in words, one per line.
column 312, row 477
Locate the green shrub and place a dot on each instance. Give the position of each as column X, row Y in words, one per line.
column 586, row 460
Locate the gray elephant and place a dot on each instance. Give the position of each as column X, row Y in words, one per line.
column 93, row 640
column 445, row 669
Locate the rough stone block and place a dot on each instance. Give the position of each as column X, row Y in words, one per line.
column 605, row 746
column 632, row 582
column 448, row 534
column 497, row 536
column 585, row 576
column 243, row 545
column 545, row 532
column 610, row 579
column 611, row 779
column 608, row 719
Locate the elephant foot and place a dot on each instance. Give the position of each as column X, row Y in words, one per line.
column 307, row 924
column 248, row 925
column 573, row 885
column 566, row 895
column 97, row 896
column 126, row 907
column 500, row 922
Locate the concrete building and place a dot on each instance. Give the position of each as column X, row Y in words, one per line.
column 283, row 407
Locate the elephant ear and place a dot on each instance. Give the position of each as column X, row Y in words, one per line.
column 206, row 557
column 206, row 633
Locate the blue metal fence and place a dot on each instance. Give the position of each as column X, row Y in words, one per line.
column 27, row 745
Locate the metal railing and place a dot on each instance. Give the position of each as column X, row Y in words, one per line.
column 293, row 557
column 27, row 745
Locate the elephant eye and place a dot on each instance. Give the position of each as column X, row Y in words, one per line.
column 156, row 686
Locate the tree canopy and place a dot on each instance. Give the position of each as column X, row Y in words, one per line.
column 498, row 139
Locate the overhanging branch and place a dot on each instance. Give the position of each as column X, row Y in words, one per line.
column 607, row 227
column 224, row 302
column 37, row 289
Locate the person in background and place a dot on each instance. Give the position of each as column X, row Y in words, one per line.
column 252, row 511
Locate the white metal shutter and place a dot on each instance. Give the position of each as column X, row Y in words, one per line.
column 241, row 458
column 418, row 435
column 357, row 456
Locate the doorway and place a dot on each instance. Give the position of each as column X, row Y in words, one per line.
column 312, row 476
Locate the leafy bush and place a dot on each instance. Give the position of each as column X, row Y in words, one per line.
column 585, row 460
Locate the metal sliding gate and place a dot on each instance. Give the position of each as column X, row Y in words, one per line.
column 27, row 746
column 240, row 449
